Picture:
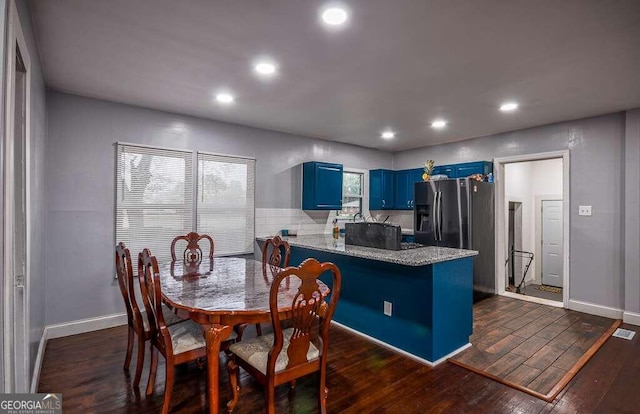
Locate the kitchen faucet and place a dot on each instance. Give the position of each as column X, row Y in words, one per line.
column 356, row 215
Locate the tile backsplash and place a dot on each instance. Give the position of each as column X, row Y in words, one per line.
column 269, row 221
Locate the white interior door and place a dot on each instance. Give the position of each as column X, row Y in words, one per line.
column 552, row 243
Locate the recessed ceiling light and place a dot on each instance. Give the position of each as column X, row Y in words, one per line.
column 388, row 134
column 335, row 16
column 265, row 68
column 225, row 98
column 508, row 106
column 439, row 124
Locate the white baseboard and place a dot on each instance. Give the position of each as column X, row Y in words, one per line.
column 37, row 366
column 401, row 351
column 85, row 325
column 631, row 318
column 594, row 309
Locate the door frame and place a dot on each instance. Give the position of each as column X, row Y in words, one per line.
column 13, row 381
column 501, row 231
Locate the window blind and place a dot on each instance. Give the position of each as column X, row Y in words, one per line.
column 154, row 201
column 225, row 206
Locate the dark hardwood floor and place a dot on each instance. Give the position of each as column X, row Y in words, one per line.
column 362, row 378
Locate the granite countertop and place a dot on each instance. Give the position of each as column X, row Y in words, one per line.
column 413, row 257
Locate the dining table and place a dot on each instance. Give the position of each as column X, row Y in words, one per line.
column 221, row 293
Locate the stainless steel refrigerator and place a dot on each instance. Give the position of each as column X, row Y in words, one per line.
column 459, row 213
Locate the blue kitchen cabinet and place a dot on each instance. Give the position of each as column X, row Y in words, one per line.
column 381, row 189
column 404, row 181
column 464, row 170
column 470, row 168
column 321, row 186
column 415, row 176
column 403, row 192
column 448, row 170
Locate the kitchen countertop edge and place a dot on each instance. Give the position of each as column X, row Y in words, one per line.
column 422, row 256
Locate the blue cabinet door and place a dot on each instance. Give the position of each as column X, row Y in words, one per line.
column 415, row 176
column 448, row 170
column 405, row 180
column 402, row 200
column 321, row 186
column 381, row 189
column 388, row 189
column 375, row 190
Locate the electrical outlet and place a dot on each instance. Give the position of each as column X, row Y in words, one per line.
column 584, row 210
column 387, row 308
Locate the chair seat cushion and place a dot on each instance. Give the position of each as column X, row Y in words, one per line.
column 170, row 318
column 186, row 336
column 255, row 351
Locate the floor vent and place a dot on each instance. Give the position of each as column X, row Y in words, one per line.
column 624, row 334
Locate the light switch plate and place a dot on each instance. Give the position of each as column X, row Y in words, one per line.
column 584, row 210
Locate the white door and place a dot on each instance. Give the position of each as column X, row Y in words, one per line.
column 552, row 243
column 16, row 215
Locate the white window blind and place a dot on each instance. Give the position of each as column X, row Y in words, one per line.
column 226, row 188
column 154, row 201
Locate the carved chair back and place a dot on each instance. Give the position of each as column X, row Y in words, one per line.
column 152, row 298
column 275, row 259
column 309, row 311
column 124, row 272
column 192, row 253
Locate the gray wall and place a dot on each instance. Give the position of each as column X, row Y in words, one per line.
column 632, row 212
column 38, row 203
column 80, row 184
column 596, row 160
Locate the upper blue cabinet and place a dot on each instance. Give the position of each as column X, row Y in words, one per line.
column 470, row 168
column 404, row 191
column 381, row 189
column 464, row 169
column 321, row 186
column 394, row 190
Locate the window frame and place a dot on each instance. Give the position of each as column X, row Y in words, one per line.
column 200, row 207
column 364, row 197
column 194, row 174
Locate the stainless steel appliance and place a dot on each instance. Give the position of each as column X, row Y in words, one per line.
column 459, row 213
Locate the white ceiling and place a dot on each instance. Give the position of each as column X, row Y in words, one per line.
column 397, row 64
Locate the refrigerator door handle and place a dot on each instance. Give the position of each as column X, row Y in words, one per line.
column 436, row 216
column 440, row 215
column 433, row 215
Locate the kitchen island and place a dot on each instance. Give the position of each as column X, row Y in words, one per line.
column 430, row 290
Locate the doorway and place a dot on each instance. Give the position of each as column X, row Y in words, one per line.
column 531, row 230
column 16, row 358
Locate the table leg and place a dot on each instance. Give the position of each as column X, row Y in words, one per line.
column 214, row 334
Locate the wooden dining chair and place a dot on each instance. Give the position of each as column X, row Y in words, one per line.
column 179, row 343
column 192, row 253
column 287, row 354
column 137, row 319
column 273, row 260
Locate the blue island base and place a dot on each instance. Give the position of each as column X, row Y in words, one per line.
column 432, row 305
